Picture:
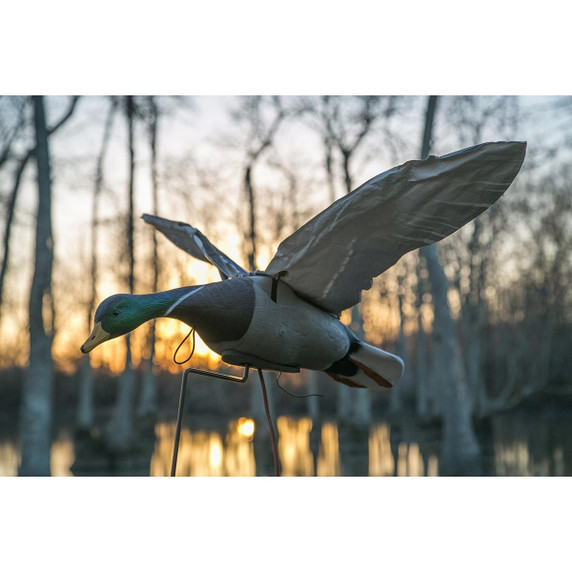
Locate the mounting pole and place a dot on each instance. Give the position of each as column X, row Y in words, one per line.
column 270, row 426
column 184, row 380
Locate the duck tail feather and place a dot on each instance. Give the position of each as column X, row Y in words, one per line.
column 367, row 367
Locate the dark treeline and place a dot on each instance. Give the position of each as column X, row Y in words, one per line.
column 483, row 320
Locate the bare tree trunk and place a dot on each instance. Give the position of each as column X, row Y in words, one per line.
column 86, row 409
column 427, row 399
column 36, row 412
column 85, row 417
column 401, row 394
column 148, row 398
column 261, row 142
column 460, row 453
column 251, row 215
column 472, row 321
column 130, row 112
column 10, row 210
column 120, row 430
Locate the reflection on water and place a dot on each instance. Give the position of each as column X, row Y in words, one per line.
column 409, row 461
column 381, row 461
column 541, row 454
column 61, row 457
column 294, row 446
column 9, row 459
column 206, row 454
column 517, row 446
column 203, row 454
column 329, row 455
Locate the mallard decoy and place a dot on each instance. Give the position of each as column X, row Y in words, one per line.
column 287, row 317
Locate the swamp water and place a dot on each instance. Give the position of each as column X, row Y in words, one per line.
column 512, row 444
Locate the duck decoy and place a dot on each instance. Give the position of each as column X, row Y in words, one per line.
column 287, row 317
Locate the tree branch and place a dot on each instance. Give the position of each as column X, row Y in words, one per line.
column 14, row 193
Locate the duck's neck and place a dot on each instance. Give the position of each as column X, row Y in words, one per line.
column 166, row 304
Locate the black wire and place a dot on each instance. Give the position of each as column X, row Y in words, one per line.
column 302, row 396
column 192, row 331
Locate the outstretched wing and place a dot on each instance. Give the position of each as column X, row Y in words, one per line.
column 196, row 244
column 335, row 255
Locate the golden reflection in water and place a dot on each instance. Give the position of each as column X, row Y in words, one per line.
column 409, row 461
column 203, row 453
column 513, row 458
column 433, row 466
column 328, row 464
column 245, row 426
column 62, row 455
column 294, row 446
column 515, row 455
column 9, row 459
column 381, row 462
column 415, row 466
column 239, row 452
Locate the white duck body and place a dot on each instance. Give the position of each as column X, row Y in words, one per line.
column 287, row 332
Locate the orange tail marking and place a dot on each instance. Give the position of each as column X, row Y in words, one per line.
column 372, row 374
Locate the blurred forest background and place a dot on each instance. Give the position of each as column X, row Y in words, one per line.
column 483, row 321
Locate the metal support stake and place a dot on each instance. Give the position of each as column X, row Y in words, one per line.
column 270, row 426
column 186, row 373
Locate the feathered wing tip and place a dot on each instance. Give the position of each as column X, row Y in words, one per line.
column 376, row 369
column 335, row 255
column 195, row 243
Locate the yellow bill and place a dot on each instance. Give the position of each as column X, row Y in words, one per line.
column 97, row 336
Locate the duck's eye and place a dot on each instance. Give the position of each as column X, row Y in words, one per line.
column 116, row 312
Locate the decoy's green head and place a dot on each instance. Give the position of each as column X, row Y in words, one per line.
column 115, row 316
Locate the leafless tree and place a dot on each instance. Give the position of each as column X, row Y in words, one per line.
column 19, row 169
column 148, row 398
column 120, row 428
column 528, row 332
column 36, row 409
column 86, row 411
column 12, row 127
column 460, row 452
column 261, row 135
